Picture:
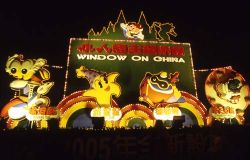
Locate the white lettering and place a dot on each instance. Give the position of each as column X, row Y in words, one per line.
column 101, row 57
column 94, row 57
column 140, row 58
column 168, row 59
column 81, row 56
column 144, row 58
column 111, row 57
column 181, row 60
column 121, row 58
column 157, row 58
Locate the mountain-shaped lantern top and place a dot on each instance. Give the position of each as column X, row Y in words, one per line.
column 140, row 30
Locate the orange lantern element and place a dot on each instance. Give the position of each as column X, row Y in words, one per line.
column 160, row 92
column 167, row 112
column 12, row 102
column 160, row 88
column 42, row 113
column 228, row 94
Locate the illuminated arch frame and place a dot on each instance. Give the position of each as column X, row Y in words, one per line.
column 132, row 111
column 74, row 102
column 195, row 106
column 68, row 113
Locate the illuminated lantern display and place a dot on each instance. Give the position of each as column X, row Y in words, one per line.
column 159, row 88
column 111, row 72
column 98, row 97
column 29, row 106
column 228, row 94
column 132, row 30
column 128, row 75
column 160, row 92
column 193, row 110
column 136, row 116
column 75, row 111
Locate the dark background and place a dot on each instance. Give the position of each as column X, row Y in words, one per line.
column 218, row 31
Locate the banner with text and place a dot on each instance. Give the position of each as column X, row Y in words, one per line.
column 132, row 60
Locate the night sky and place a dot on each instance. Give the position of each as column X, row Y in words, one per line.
column 218, row 32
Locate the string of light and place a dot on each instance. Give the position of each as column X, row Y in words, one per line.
column 211, row 69
column 54, row 66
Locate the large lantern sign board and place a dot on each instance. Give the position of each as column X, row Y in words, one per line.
column 130, row 64
column 131, row 49
column 132, row 60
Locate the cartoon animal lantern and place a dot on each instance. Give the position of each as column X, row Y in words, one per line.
column 102, row 87
column 30, row 77
column 228, row 93
column 132, row 30
column 160, row 92
column 160, row 88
